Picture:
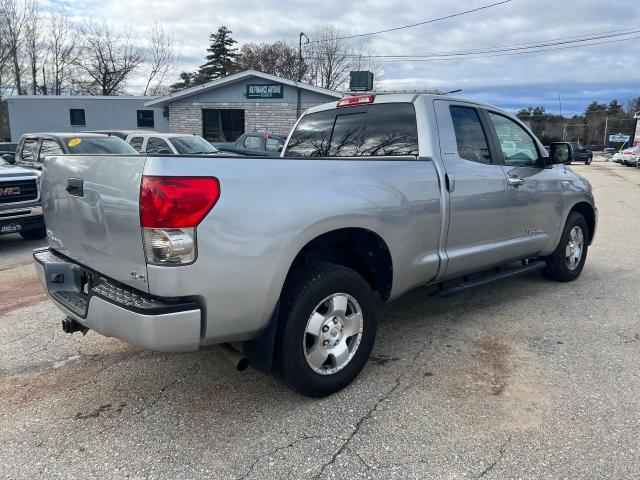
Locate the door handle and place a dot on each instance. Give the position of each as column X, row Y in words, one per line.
column 75, row 187
column 515, row 181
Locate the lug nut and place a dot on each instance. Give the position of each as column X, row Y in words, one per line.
column 335, row 320
column 325, row 328
column 325, row 343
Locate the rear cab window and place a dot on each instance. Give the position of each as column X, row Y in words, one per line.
column 98, row 145
column 386, row 129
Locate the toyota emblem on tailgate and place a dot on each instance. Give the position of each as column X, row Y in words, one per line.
column 9, row 191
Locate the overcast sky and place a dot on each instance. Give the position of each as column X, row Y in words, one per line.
column 579, row 75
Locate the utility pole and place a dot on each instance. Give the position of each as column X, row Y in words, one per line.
column 560, row 103
column 606, row 125
column 300, row 64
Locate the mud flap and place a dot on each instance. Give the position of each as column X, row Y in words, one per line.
column 260, row 350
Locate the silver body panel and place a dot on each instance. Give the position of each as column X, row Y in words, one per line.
column 270, row 208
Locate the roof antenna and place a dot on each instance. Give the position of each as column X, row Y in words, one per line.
column 452, row 91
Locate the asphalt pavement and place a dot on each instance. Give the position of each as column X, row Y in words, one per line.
column 520, row 379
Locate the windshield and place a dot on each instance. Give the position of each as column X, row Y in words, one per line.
column 192, row 145
column 97, row 145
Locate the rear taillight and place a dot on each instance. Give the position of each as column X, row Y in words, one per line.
column 170, row 210
column 175, row 202
column 359, row 100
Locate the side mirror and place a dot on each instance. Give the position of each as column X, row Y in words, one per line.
column 561, row 153
column 9, row 158
column 280, row 148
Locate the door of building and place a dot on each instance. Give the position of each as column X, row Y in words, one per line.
column 222, row 125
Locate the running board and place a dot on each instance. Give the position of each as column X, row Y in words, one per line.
column 489, row 278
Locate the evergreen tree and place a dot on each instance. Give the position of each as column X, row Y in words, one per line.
column 221, row 58
column 595, row 107
column 187, row 79
column 615, row 108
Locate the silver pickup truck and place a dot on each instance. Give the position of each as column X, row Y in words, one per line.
column 280, row 259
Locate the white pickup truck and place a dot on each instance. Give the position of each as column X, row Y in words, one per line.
column 283, row 257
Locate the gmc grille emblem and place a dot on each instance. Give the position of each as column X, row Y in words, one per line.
column 9, row 191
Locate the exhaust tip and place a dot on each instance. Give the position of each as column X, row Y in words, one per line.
column 238, row 359
column 242, row 364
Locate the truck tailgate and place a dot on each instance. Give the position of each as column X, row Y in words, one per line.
column 91, row 208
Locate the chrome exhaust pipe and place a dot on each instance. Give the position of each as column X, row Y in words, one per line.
column 238, row 359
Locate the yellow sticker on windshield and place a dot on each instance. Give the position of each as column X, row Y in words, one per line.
column 74, row 142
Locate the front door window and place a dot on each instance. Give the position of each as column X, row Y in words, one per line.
column 222, row 125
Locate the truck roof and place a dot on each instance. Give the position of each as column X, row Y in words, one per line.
column 397, row 98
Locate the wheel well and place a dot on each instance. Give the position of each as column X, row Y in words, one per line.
column 355, row 248
column 589, row 215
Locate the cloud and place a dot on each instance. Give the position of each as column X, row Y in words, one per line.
column 609, row 70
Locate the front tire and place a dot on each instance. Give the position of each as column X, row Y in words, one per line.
column 567, row 261
column 589, row 160
column 326, row 329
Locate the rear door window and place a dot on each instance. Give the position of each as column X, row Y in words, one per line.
column 157, row 145
column 375, row 130
column 253, row 142
column 136, row 143
column 470, row 137
column 28, row 149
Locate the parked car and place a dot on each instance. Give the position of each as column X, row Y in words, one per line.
column 628, row 156
column 33, row 147
column 165, row 143
column 283, row 257
column 581, row 153
column 20, row 209
column 254, row 144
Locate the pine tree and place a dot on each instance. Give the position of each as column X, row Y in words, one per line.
column 187, row 79
column 221, row 57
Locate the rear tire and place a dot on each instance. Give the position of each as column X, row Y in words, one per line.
column 35, row 234
column 327, row 311
column 567, row 260
column 589, row 160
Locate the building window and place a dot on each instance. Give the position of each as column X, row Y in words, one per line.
column 222, row 125
column 77, row 117
column 145, row 118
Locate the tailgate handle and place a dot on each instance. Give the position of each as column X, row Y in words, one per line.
column 75, row 186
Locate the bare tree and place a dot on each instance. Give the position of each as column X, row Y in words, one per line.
column 34, row 43
column 107, row 58
column 61, row 51
column 329, row 58
column 279, row 58
column 5, row 56
column 161, row 60
column 14, row 17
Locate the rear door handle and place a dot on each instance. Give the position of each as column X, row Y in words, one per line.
column 515, row 181
column 75, row 186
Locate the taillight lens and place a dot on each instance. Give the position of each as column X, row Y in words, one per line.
column 170, row 210
column 176, row 202
column 173, row 246
column 359, row 100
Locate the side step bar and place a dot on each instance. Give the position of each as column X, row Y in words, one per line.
column 489, row 278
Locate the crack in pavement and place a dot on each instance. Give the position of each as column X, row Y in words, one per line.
column 279, row 449
column 499, row 457
column 370, row 413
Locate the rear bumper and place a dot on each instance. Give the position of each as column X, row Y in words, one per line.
column 115, row 310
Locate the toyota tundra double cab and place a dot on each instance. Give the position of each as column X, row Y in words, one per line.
column 20, row 209
column 280, row 259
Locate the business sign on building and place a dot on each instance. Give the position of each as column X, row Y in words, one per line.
column 636, row 138
column 619, row 138
column 264, row 91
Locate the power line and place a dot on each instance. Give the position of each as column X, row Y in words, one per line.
column 359, row 35
column 516, row 46
column 506, row 50
column 565, row 47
